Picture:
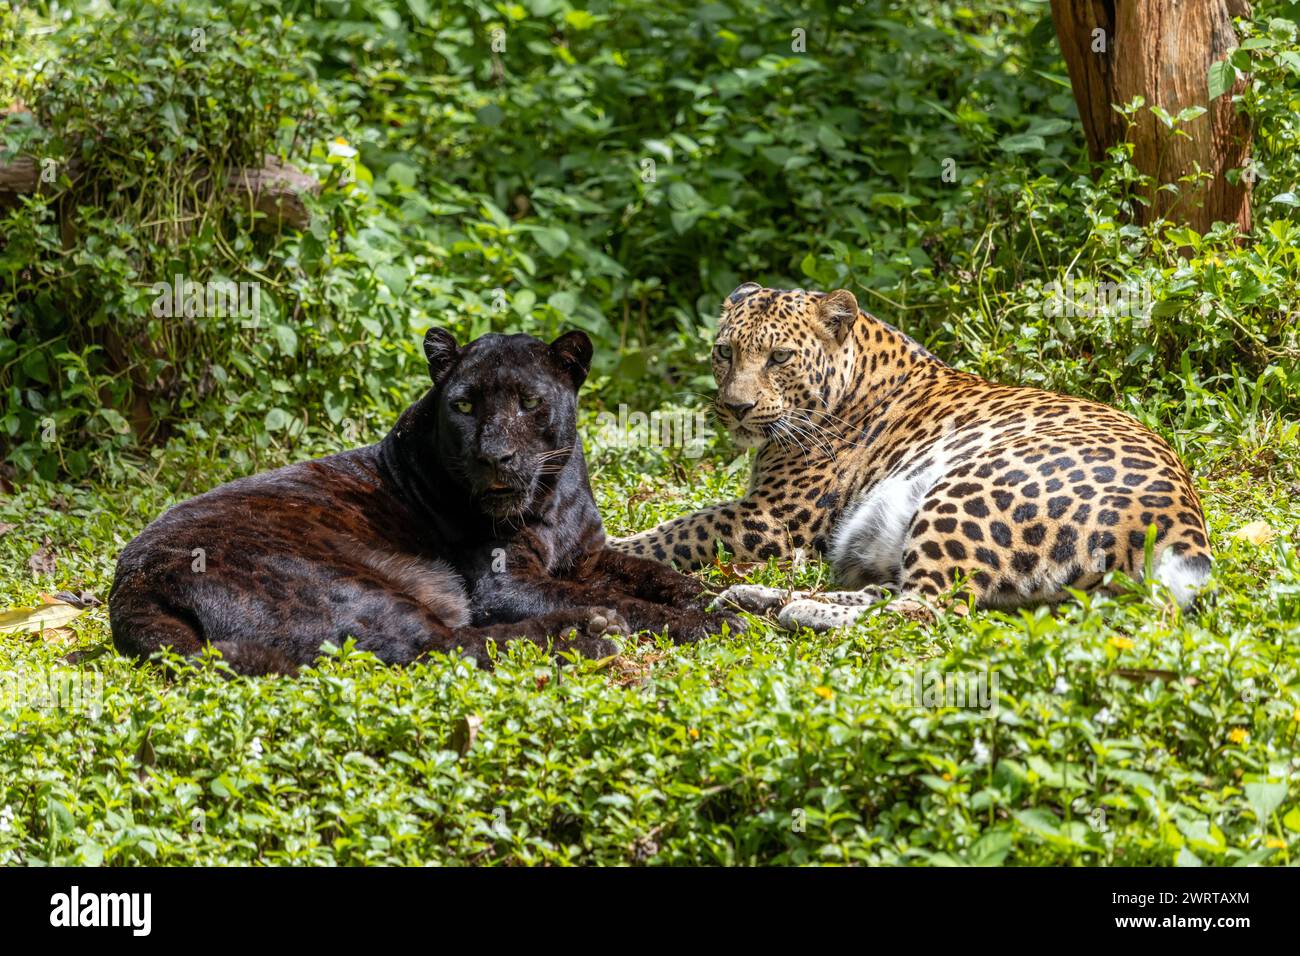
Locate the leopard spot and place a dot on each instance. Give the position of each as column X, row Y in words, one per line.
column 1063, row 550
column 1024, row 561
column 1025, row 512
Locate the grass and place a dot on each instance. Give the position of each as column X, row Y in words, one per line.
column 1118, row 731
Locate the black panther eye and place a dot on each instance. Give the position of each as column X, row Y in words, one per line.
column 529, row 402
column 463, row 407
column 723, row 352
column 780, row 357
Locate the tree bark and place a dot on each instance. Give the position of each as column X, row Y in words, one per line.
column 1161, row 50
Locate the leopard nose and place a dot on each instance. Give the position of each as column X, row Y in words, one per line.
column 740, row 409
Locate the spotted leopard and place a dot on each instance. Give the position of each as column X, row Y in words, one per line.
column 907, row 473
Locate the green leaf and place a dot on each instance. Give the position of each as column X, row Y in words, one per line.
column 1022, row 143
column 286, row 339
column 580, row 19
column 277, row 419
column 992, row 848
column 400, row 174
column 552, row 239
column 1264, row 798
column 490, row 115
column 523, row 301
column 563, row 303
column 1221, row 78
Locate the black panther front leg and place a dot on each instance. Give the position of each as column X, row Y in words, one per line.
column 650, row 580
column 515, row 585
column 684, row 598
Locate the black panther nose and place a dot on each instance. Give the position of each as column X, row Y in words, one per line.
column 740, row 410
column 496, row 458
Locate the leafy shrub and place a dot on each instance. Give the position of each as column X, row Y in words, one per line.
column 145, row 114
column 619, row 167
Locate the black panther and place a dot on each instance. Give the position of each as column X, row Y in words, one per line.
column 471, row 522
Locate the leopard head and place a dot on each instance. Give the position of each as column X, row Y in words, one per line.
column 778, row 359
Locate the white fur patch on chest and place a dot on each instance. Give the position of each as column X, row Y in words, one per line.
column 867, row 545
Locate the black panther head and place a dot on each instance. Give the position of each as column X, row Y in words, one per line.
column 506, row 408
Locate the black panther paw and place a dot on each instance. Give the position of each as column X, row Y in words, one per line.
column 588, row 631
column 692, row 626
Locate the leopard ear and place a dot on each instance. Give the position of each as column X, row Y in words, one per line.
column 573, row 351
column 440, row 349
column 838, row 310
column 742, row 292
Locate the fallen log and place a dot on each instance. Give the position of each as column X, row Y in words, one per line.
column 275, row 189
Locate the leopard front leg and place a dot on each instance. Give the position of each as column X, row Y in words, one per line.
column 742, row 527
column 799, row 609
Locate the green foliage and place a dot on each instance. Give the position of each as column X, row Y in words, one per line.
column 1123, row 732
column 144, row 116
column 620, row 167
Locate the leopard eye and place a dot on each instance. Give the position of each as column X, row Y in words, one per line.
column 529, row 402
column 780, row 356
column 463, row 407
column 723, row 352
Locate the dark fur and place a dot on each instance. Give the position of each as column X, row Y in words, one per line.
column 457, row 529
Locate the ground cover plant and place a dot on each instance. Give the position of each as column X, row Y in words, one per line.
column 620, row 167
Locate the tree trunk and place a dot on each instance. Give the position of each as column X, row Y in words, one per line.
column 1161, row 50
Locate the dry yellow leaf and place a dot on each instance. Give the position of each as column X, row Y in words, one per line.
column 46, row 617
column 61, row 636
column 1257, row 533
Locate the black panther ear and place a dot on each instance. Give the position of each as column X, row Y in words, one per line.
column 838, row 310
column 573, row 351
column 440, row 349
column 742, row 292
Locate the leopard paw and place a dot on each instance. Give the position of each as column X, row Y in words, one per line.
column 818, row 616
column 913, row 610
column 754, row 598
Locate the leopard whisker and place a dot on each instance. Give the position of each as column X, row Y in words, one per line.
column 783, row 427
column 797, row 426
